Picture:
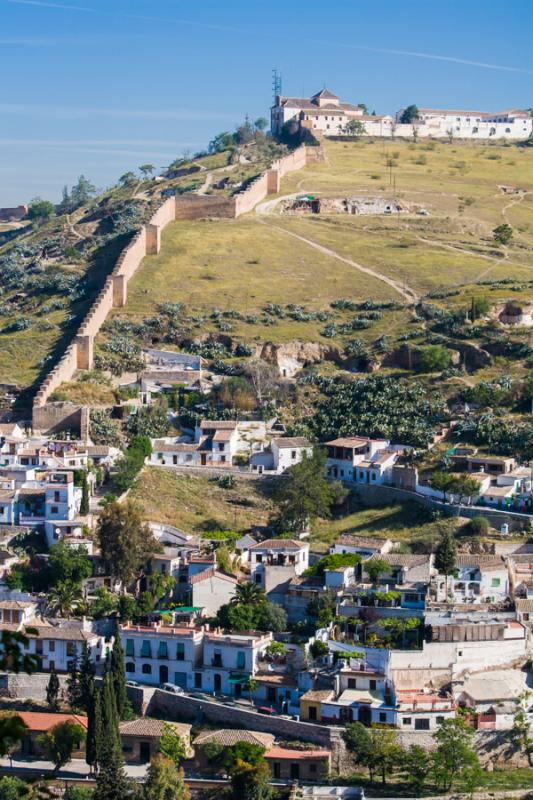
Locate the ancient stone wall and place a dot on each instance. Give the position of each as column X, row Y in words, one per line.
column 80, row 353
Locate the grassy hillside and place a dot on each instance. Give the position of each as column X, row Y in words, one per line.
column 195, row 503
column 50, row 272
column 226, row 273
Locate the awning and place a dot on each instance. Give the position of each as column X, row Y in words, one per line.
column 238, row 679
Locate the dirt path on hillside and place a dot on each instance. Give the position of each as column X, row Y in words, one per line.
column 406, row 292
column 206, row 184
column 72, row 228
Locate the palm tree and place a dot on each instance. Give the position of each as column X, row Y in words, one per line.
column 63, row 599
column 248, row 594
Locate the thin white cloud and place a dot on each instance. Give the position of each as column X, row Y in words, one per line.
column 434, row 57
column 84, row 112
column 62, row 6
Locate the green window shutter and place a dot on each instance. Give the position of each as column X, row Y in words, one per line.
column 162, row 651
column 241, row 659
column 146, row 650
column 130, row 647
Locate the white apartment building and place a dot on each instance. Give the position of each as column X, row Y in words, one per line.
column 275, row 562
column 192, row 658
column 57, row 645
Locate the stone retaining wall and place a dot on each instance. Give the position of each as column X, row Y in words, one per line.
column 80, row 353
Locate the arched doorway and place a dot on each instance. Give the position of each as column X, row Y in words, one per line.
column 217, row 682
column 163, row 673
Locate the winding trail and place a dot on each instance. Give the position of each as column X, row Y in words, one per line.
column 72, row 228
column 405, row 291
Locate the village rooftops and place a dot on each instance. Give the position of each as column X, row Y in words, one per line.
column 291, row 441
column 219, row 424
column 279, row 544
column 350, row 696
column 162, row 446
column 227, row 737
column 485, row 563
column 212, row 573
column 296, row 755
column 152, row 728
column 42, row 721
column 62, row 633
column 318, row 695
column 349, row 441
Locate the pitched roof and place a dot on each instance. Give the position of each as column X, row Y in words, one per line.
column 280, row 544
column 219, row 424
column 43, row 721
column 325, row 94
column 296, row 755
column 482, row 562
column 229, row 737
column 292, row 441
column 152, row 728
column 318, row 695
column 212, row 573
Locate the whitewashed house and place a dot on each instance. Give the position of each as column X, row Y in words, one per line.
column 478, row 579
column 362, row 545
column 359, row 459
column 274, row 562
column 280, row 454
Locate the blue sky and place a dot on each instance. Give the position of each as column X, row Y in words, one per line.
column 100, row 86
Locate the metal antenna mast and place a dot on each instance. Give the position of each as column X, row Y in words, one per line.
column 276, row 83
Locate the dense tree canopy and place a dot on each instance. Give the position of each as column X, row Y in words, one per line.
column 404, row 411
column 125, row 539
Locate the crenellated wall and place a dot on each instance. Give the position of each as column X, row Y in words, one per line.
column 80, row 352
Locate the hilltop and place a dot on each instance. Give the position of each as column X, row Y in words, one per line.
column 52, row 268
column 347, row 282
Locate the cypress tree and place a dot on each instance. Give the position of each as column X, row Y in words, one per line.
column 111, row 782
column 94, row 727
column 119, row 676
column 52, row 691
column 86, row 677
column 73, row 684
column 84, row 504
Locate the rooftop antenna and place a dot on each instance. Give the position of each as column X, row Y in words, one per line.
column 276, row 84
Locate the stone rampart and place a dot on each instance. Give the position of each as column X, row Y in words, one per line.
column 80, row 353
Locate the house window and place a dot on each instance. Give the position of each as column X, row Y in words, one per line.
column 130, row 666
column 495, row 582
column 217, row 658
column 421, row 724
column 382, row 716
column 57, row 497
column 51, row 647
column 130, row 647
column 352, row 683
column 54, row 510
column 146, row 650
column 406, row 721
column 197, row 680
column 180, row 651
column 440, row 720
column 372, row 685
column 162, row 651
column 147, row 669
column 312, row 768
column 71, row 649
column 241, row 659
column 293, row 454
column 277, row 769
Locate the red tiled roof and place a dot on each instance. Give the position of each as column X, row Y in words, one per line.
column 211, row 573
column 295, row 755
column 43, row 721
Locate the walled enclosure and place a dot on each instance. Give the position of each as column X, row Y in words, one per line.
column 80, row 352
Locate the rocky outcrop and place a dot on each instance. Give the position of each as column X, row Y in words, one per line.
column 290, row 358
